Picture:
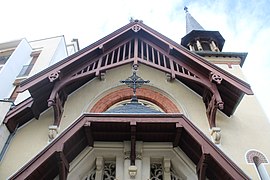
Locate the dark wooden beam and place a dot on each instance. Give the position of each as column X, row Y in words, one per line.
column 202, row 166
column 88, row 133
column 133, row 145
column 177, row 136
column 63, row 165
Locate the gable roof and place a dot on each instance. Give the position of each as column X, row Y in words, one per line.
column 176, row 128
column 90, row 62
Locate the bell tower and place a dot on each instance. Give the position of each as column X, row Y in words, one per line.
column 199, row 39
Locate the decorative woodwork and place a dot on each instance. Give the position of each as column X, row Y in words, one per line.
column 113, row 127
column 54, row 75
column 140, row 50
column 202, row 166
column 125, row 46
column 212, row 103
column 58, row 106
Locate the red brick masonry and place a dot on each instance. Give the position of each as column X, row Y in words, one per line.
column 126, row 93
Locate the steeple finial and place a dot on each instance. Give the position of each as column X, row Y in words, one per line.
column 186, row 9
column 191, row 23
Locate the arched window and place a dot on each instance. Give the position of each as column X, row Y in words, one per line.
column 258, row 159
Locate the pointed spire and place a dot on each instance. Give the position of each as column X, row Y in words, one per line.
column 191, row 23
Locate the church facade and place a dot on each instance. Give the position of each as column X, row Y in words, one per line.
column 137, row 105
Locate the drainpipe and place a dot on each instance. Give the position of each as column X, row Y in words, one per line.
column 7, row 143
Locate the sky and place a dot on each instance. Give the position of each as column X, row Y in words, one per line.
column 244, row 24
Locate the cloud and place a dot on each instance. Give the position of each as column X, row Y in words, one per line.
column 244, row 24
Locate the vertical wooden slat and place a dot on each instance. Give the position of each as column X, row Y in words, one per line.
column 158, row 56
column 183, row 70
column 124, row 52
column 165, row 62
column 153, row 55
column 112, row 57
column 136, row 51
column 98, row 67
column 106, row 61
column 177, row 67
column 129, row 50
column 172, row 68
column 142, row 49
column 118, row 54
column 147, row 52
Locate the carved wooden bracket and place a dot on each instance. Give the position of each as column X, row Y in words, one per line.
column 136, row 28
column 215, row 78
column 212, row 103
column 54, row 75
column 58, row 106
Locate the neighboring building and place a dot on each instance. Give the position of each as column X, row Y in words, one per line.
column 196, row 117
column 19, row 60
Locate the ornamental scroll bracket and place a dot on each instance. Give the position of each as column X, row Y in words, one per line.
column 212, row 102
column 58, row 106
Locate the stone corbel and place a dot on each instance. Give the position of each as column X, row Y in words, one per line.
column 167, row 168
column 53, row 131
column 99, row 167
column 215, row 135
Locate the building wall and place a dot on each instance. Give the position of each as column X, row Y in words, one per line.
column 52, row 51
column 12, row 67
column 247, row 129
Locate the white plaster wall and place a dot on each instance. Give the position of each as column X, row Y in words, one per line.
column 12, row 68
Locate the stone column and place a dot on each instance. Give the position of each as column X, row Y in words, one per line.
column 214, row 46
column 199, row 45
column 99, row 168
column 119, row 174
column 167, row 169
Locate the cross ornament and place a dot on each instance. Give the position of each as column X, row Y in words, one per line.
column 134, row 82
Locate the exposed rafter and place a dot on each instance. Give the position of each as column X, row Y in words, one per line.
column 55, row 158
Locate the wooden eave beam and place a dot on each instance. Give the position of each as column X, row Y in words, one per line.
column 58, row 143
column 88, row 134
column 243, row 86
column 69, row 60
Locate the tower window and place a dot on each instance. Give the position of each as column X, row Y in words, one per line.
column 206, row 46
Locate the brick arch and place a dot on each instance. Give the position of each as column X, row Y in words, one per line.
column 126, row 93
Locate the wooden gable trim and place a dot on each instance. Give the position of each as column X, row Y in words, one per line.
column 133, row 52
column 201, row 61
column 99, row 44
column 209, row 76
column 208, row 149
